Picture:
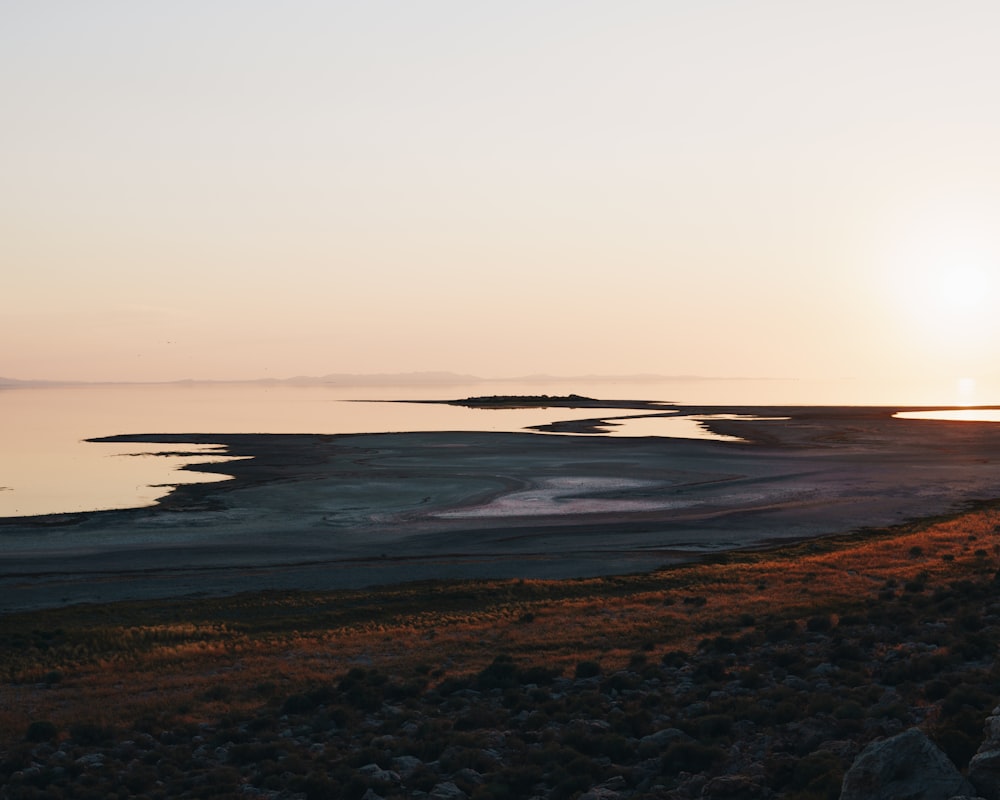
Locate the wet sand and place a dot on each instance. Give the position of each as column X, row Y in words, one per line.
column 347, row 511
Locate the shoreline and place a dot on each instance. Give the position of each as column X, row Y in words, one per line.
column 359, row 510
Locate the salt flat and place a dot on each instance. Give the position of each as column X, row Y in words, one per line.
column 339, row 511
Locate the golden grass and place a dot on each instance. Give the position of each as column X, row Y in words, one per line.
column 167, row 660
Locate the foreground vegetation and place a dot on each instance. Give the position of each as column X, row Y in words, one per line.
column 748, row 675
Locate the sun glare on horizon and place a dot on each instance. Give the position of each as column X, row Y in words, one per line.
column 942, row 283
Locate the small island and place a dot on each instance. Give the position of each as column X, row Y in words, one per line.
column 511, row 401
column 526, row 401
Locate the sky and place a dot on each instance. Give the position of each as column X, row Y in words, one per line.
column 243, row 189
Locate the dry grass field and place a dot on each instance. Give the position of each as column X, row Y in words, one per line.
column 193, row 661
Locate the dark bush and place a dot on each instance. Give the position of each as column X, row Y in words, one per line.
column 849, row 710
column 781, row 632
column 818, row 624
column 41, row 731
column 959, row 736
column 543, row 676
column 477, row 718
column 253, row 753
column 818, row 775
column 713, row 726
column 501, row 674
column 711, row 669
column 786, row 712
column 674, row 658
column 970, row 621
column 937, row 689
column 296, row 704
column 365, row 690
column 966, row 695
column 394, row 692
column 620, row 682
column 751, row 679
column 219, row 692
column 722, row 645
column 689, row 756
column 89, row 734
column 587, row 669
column 454, row 684
column 822, row 703
column 847, row 651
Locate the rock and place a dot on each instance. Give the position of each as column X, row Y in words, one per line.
column 447, row 791
column 468, row 775
column 600, row 793
column 909, row 766
column 375, row 772
column 663, row 737
column 609, row 790
column 407, row 765
column 984, row 771
column 984, row 768
column 731, row 787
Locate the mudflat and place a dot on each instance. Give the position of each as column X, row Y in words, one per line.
column 349, row 511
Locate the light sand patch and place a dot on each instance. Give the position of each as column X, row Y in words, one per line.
column 568, row 495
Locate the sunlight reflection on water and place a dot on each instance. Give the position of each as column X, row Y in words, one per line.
column 676, row 427
column 954, row 415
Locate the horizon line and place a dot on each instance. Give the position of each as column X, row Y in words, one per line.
column 442, row 377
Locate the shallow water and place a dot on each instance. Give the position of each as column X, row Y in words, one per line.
column 46, row 466
column 954, row 415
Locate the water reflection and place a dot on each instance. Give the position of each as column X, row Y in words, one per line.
column 954, row 415
column 46, row 467
column 676, row 427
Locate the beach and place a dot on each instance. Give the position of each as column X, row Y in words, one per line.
column 350, row 511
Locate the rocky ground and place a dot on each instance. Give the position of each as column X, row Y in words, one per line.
column 774, row 709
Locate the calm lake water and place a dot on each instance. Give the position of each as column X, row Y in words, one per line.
column 47, row 467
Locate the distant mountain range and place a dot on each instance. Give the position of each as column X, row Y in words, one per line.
column 393, row 379
column 14, row 382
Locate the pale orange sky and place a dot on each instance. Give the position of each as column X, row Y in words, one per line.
column 240, row 189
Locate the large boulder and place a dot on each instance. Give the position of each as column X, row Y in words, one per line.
column 909, row 766
column 984, row 768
